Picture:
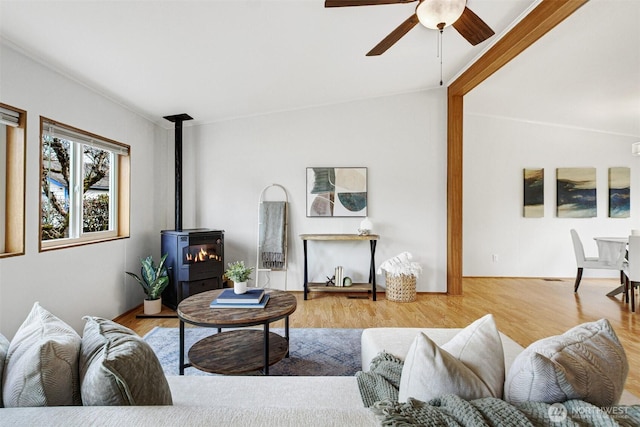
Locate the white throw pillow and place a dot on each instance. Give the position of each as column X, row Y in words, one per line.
column 42, row 363
column 586, row 362
column 4, row 347
column 470, row 365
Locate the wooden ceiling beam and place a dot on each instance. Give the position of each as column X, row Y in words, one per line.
column 530, row 29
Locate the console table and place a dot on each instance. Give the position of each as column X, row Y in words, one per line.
column 356, row 287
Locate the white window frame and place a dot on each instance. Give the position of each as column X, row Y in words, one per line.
column 78, row 139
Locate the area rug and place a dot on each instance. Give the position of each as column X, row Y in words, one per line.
column 313, row 351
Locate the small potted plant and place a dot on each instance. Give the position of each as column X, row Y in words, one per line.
column 239, row 273
column 154, row 280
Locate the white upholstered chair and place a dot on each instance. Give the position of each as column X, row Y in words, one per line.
column 632, row 271
column 616, row 263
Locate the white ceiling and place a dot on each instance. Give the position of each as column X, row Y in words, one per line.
column 222, row 59
column 584, row 74
column 216, row 59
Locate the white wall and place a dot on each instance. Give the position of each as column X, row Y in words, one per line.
column 400, row 139
column 495, row 152
column 86, row 280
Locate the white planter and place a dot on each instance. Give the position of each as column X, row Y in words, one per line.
column 153, row 306
column 239, row 287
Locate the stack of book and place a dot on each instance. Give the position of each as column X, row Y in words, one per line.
column 253, row 298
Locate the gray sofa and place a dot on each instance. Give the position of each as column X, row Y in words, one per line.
column 253, row 400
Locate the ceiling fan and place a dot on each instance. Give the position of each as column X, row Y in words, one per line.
column 435, row 14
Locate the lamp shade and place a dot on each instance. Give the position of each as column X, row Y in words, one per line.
column 635, row 148
column 437, row 14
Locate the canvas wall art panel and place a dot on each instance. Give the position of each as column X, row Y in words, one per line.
column 576, row 193
column 619, row 192
column 533, row 193
column 337, row 192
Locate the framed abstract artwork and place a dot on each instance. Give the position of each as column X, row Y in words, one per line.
column 337, row 192
column 619, row 192
column 533, row 204
column 576, row 193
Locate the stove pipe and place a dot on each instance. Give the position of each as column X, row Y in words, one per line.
column 178, row 119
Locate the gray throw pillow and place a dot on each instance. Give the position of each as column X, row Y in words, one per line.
column 41, row 367
column 4, row 347
column 117, row 367
column 586, row 362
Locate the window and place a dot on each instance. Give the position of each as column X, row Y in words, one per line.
column 12, row 180
column 84, row 187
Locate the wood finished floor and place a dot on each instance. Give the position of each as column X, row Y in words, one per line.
column 525, row 309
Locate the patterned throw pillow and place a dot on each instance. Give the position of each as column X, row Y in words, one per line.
column 117, row 367
column 470, row 365
column 4, row 347
column 586, row 362
column 41, row 367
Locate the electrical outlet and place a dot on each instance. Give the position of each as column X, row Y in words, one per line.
column 494, row 257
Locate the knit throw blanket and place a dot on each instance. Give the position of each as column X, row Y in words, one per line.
column 272, row 234
column 379, row 391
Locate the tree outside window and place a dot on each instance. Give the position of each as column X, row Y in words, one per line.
column 95, row 194
column 55, row 188
column 79, row 186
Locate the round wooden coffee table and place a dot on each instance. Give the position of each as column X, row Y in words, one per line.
column 238, row 350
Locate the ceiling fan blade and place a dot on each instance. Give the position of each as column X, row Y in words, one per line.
column 472, row 28
column 394, row 36
column 343, row 3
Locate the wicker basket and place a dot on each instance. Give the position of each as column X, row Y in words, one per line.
column 401, row 288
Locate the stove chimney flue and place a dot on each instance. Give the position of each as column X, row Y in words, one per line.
column 178, row 119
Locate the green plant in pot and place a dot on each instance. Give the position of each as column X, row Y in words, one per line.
column 154, row 280
column 239, row 273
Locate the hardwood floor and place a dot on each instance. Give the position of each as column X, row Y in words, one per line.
column 525, row 309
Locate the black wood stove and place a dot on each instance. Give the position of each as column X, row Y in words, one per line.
column 195, row 257
column 195, row 262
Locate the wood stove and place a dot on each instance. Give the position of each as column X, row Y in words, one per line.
column 195, row 262
column 195, row 257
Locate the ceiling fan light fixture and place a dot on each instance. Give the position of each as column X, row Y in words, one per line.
column 433, row 13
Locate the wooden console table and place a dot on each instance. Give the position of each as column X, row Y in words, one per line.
column 356, row 287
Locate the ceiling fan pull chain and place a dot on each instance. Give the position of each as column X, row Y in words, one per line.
column 440, row 53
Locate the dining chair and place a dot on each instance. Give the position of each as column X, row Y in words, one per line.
column 595, row 262
column 631, row 270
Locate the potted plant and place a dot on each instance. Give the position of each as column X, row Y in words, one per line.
column 154, row 280
column 239, row 273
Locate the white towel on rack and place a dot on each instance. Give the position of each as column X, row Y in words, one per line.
column 272, row 234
